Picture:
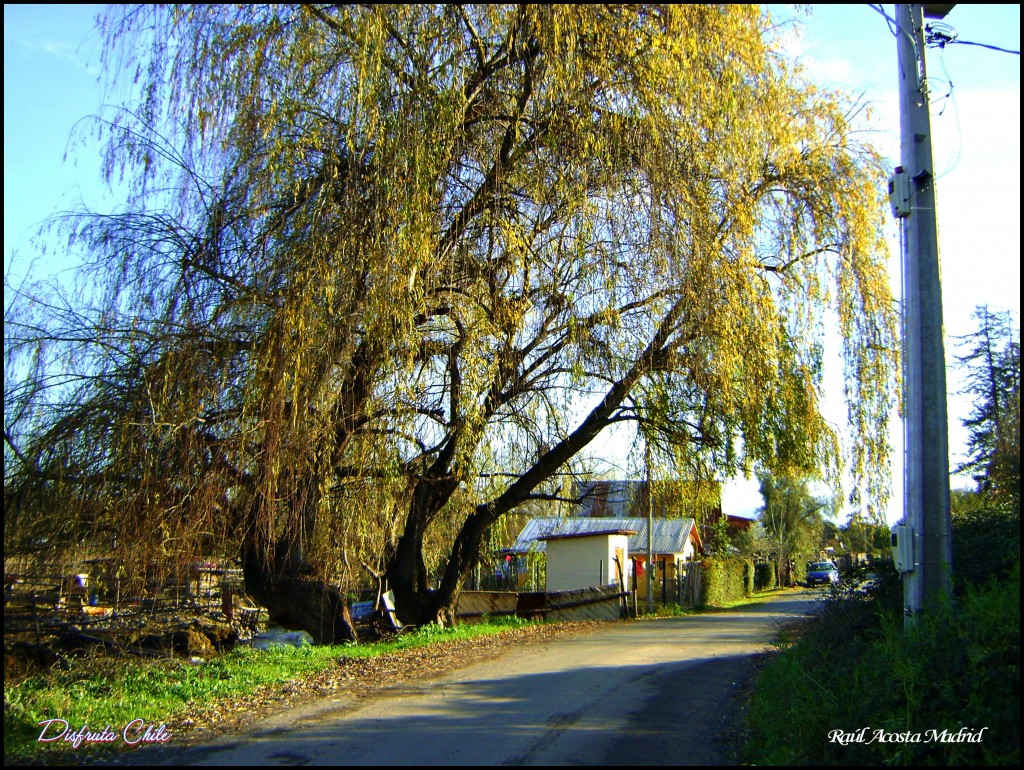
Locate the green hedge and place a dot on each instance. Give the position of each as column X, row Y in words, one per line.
column 764, row 576
column 726, row 580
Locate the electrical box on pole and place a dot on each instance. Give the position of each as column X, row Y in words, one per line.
column 902, row 543
column 900, row 193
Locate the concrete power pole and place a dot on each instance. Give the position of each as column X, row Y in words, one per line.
column 650, row 532
column 926, row 494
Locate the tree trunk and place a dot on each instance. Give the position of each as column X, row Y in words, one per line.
column 416, row 603
column 297, row 600
column 429, row 605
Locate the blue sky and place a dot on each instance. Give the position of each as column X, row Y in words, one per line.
column 51, row 70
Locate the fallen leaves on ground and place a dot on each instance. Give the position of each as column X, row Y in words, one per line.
column 357, row 678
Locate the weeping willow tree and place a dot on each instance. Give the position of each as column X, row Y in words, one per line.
column 385, row 271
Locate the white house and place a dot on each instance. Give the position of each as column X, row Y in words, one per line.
column 675, row 542
column 584, row 559
column 672, row 540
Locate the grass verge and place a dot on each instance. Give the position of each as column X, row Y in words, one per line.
column 674, row 610
column 98, row 692
column 856, row 688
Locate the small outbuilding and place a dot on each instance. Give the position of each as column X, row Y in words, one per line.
column 672, row 540
column 584, row 559
column 675, row 544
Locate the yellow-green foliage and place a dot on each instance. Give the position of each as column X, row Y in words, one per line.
column 379, row 263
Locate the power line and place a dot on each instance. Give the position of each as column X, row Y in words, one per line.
column 986, row 45
column 889, row 19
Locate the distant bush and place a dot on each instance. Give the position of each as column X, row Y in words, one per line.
column 798, row 572
column 764, row 576
column 748, row 578
column 986, row 542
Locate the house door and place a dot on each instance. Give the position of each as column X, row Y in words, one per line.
column 620, row 567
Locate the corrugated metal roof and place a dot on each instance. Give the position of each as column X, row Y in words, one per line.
column 669, row 535
column 563, row 535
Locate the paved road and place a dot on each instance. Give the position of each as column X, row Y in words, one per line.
column 651, row 692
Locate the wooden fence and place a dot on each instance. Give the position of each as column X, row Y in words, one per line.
column 596, row 603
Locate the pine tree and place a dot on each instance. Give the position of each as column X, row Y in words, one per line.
column 992, row 376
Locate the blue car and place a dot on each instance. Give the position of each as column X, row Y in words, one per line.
column 821, row 573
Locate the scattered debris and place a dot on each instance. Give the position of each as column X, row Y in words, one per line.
column 276, row 636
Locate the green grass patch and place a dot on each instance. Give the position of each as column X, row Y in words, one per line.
column 747, row 601
column 103, row 691
column 675, row 611
column 892, row 693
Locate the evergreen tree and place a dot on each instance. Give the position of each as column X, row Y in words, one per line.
column 992, row 374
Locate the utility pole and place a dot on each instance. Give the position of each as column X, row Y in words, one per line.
column 926, row 493
column 650, row 530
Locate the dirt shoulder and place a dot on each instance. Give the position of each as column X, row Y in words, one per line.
column 339, row 688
